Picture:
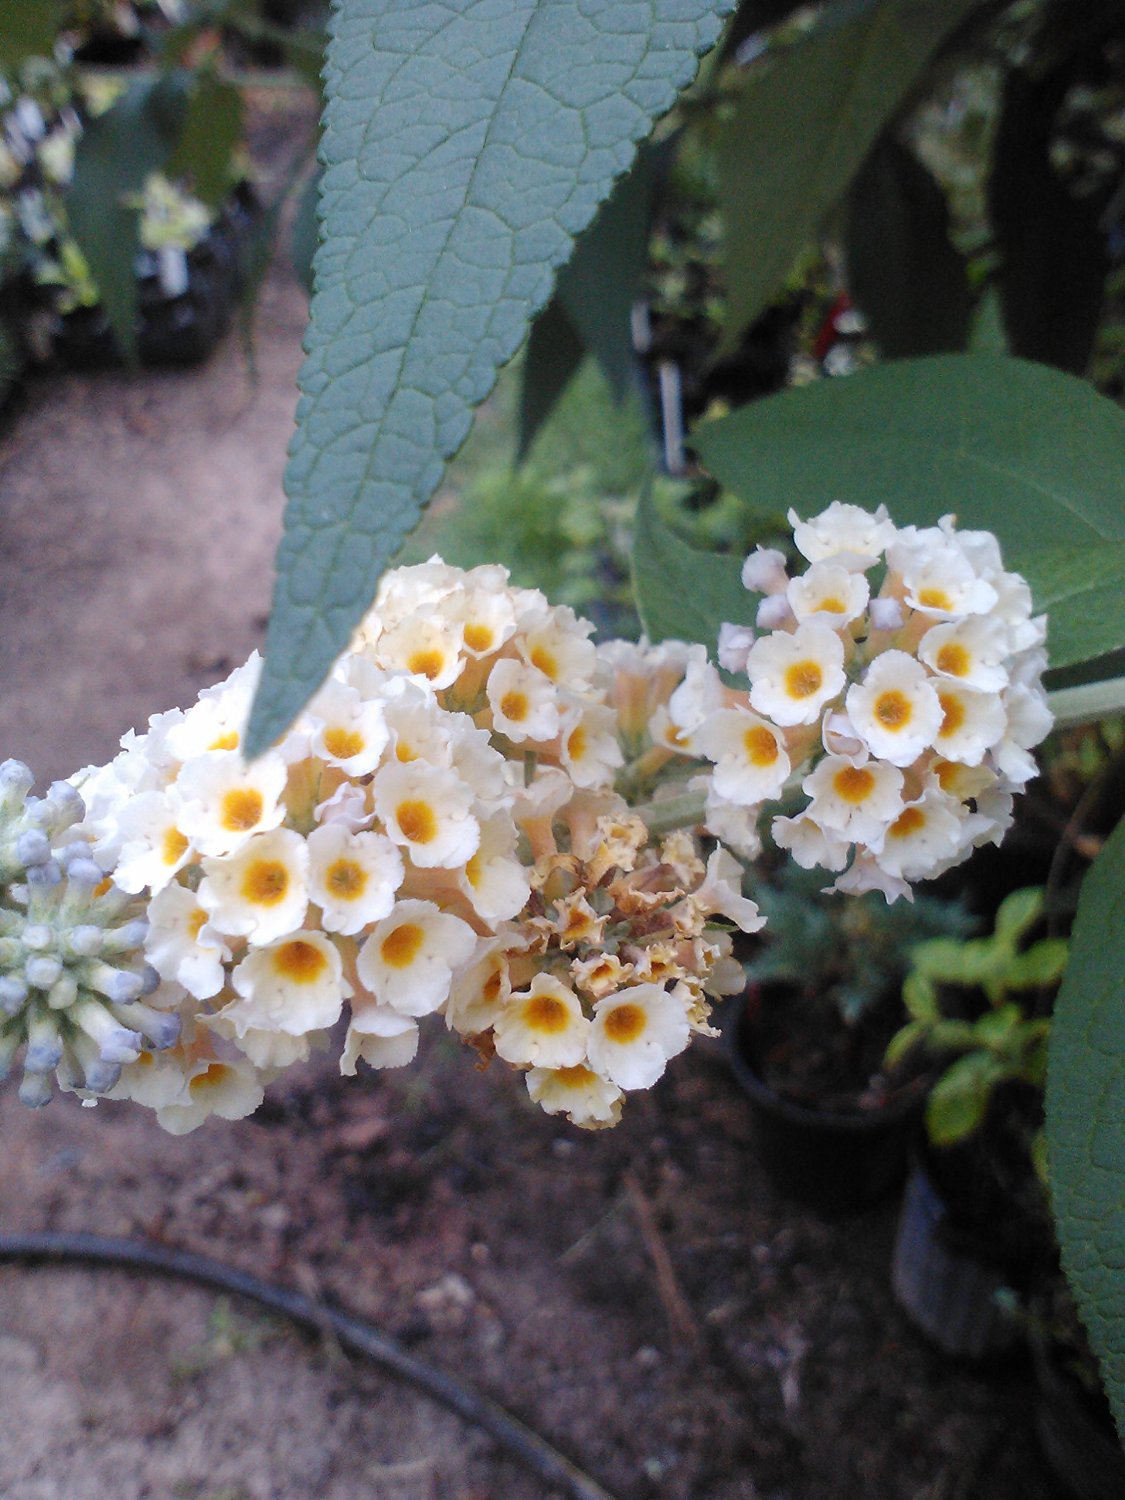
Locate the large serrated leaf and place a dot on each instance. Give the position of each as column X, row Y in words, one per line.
column 1086, row 1115
column 1031, row 454
column 683, row 594
column 804, row 121
column 464, row 149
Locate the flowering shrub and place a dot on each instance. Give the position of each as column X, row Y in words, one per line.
column 484, row 815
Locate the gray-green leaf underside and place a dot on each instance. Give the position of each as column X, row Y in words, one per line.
column 1085, row 1108
column 465, row 146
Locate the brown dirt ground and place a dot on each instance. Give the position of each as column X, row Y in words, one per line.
column 138, row 520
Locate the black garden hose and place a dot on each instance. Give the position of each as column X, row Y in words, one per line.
column 353, row 1334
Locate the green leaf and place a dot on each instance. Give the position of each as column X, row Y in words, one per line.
column 1017, row 914
column 554, row 354
column 995, row 1029
column 112, row 158
column 1086, row 1115
column 958, row 1101
column 682, row 594
column 211, row 131
column 902, row 1042
column 1031, row 454
column 1044, row 963
column 919, row 995
column 601, row 281
column 905, row 275
column 805, row 119
column 305, row 234
column 953, row 961
column 464, row 149
column 27, row 29
column 1082, row 588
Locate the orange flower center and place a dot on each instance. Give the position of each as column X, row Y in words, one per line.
column 953, row 714
column 479, row 637
column 265, row 882
column 854, row 783
column 174, row 845
column 760, row 745
column 908, row 821
column 576, row 744
column 242, row 809
column 954, row 660
column 426, row 663
column 227, row 741
column 515, row 707
column 400, row 948
column 624, row 1023
column 892, row 709
column 832, row 606
column 932, row 598
column 547, row 664
column 546, row 1013
column 300, row 961
column 417, row 821
column 342, row 744
column 345, row 879
column 803, row 679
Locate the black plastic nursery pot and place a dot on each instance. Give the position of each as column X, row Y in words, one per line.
column 833, row 1162
column 945, row 1280
column 1075, row 1432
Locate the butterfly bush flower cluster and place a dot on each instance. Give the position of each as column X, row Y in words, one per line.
column 485, row 817
column 894, row 690
column 439, row 834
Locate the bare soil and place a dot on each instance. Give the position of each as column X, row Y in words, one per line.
column 641, row 1296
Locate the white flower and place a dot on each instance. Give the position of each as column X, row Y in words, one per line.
column 555, row 642
column 380, row 1036
column 494, row 880
column 635, row 1032
column 734, row 646
column 734, row 825
column 793, row 675
column 480, row 989
column 425, row 646
column 231, row 1090
column 853, row 798
column 971, row 651
column 866, row 874
column 542, row 1025
column 763, row 572
column 345, row 731
column 152, row 846
column 225, row 802
column 524, row 702
column 846, row 534
column 926, row 836
column 721, row 891
column 261, row 892
column 487, row 619
column 1029, row 720
column 216, row 720
column 751, row 763
column 295, row 985
column 895, row 710
column 583, row 1096
column 830, row 591
column 813, row 847
column 589, row 747
column 181, row 947
column 427, row 810
column 353, row 877
column 937, row 578
column 972, row 722
column 409, row 959
column 347, row 807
